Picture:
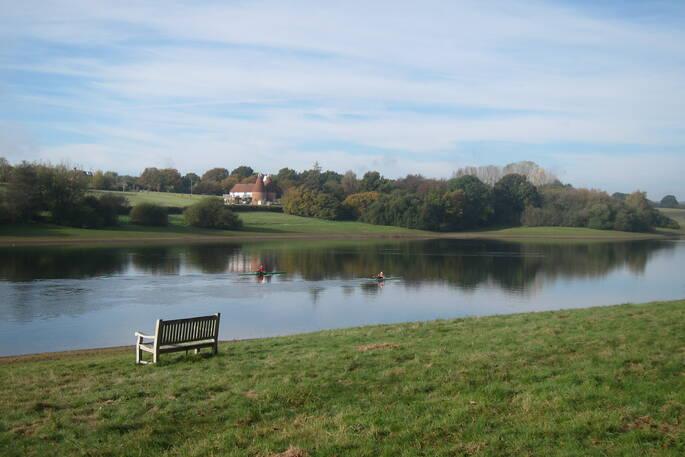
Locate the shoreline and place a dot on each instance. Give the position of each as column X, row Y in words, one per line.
column 118, row 350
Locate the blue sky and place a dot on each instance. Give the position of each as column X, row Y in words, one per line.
column 594, row 93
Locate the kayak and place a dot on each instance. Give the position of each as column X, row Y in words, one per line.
column 267, row 273
column 387, row 278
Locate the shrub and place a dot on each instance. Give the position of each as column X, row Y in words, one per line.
column 357, row 204
column 149, row 214
column 4, row 211
column 110, row 206
column 212, row 213
column 312, row 203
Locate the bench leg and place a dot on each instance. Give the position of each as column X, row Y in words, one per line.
column 139, row 352
column 155, row 356
column 215, row 349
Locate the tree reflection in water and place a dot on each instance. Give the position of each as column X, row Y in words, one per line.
column 465, row 264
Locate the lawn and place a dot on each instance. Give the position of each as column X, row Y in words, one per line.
column 564, row 233
column 256, row 224
column 677, row 214
column 159, row 198
column 600, row 381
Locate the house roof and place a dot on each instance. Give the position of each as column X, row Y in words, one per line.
column 242, row 188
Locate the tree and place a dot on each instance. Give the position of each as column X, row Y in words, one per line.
column 669, row 201
column 371, row 182
column 151, row 179
column 357, row 204
column 287, row 178
column 212, row 213
column 306, row 202
column 215, row 175
column 149, row 214
column 242, row 171
column 454, row 204
column 490, row 174
column 478, row 200
column 104, row 181
column 23, row 198
column 170, row 179
column 62, row 191
column 188, row 183
column 349, row 182
column 512, row 194
column 5, row 170
column 208, row 188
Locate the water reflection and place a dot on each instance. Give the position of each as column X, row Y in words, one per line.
column 466, row 264
column 83, row 297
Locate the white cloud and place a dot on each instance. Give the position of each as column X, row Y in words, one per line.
column 202, row 84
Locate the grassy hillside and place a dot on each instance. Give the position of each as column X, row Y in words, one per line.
column 255, row 225
column 677, row 214
column 563, row 233
column 160, row 198
column 602, row 381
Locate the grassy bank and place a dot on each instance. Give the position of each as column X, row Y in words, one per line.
column 256, row 225
column 676, row 214
column 259, row 225
column 602, row 381
column 158, row 198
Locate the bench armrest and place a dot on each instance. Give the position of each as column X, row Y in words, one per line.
column 150, row 337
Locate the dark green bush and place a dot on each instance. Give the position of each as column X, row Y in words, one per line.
column 311, row 203
column 4, row 211
column 212, row 213
column 149, row 214
column 110, row 206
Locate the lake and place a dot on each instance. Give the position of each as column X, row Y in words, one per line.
column 54, row 299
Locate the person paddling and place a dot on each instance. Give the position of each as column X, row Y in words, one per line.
column 380, row 276
column 261, row 270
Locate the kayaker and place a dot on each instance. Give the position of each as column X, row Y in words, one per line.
column 380, row 275
column 261, row 270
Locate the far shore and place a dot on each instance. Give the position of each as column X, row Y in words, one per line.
column 514, row 234
column 277, row 226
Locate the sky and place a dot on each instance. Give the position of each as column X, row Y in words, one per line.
column 595, row 94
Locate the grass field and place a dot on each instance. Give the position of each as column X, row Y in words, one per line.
column 677, row 214
column 600, row 381
column 256, row 224
column 160, row 198
column 563, row 233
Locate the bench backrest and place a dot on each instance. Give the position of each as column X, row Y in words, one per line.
column 185, row 330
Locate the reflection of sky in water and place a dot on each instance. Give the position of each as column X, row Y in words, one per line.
column 104, row 303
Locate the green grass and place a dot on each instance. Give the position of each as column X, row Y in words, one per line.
column 677, row 214
column 159, row 198
column 599, row 382
column 564, row 232
column 286, row 223
column 256, row 224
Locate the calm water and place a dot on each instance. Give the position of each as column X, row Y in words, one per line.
column 54, row 299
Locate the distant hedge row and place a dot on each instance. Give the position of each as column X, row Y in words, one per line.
column 255, row 208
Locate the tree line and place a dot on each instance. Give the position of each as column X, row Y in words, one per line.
column 465, row 202
column 510, row 197
column 36, row 192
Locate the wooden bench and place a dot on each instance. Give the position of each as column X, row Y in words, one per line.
column 179, row 335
